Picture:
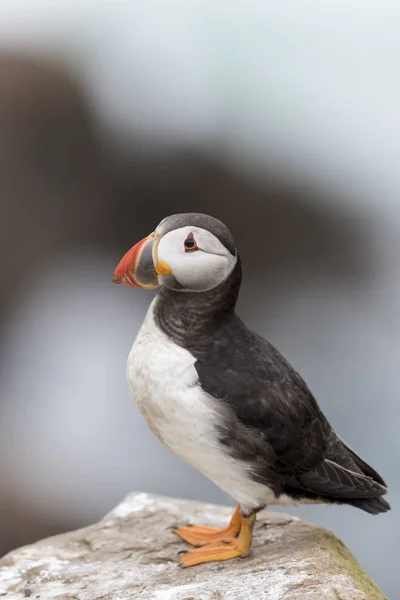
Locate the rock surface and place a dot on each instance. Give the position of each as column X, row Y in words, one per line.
column 132, row 555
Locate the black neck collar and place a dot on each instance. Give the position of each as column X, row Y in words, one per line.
column 187, row 317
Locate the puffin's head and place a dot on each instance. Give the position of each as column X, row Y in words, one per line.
column 187, row 252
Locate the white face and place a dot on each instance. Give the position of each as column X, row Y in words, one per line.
column 198, row 260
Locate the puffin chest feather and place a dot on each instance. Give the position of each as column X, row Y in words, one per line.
column 163, row 382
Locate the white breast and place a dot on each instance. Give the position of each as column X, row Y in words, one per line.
column 163, row 382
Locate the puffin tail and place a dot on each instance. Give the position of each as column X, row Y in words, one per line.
column 373, row 506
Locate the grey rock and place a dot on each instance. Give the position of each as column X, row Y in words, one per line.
column 131, row 554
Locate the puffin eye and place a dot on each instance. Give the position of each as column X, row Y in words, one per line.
column 190, row 243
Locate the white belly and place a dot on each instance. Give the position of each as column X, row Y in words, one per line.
column 163, row 382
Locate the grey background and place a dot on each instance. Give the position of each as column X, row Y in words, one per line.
column 283, row 121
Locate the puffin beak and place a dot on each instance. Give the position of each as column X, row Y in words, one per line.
column 138, row 267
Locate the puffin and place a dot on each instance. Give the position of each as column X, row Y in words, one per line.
column 224, row 399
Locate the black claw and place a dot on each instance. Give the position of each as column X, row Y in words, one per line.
column 182, row 552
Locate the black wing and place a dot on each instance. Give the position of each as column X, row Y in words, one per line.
column 365, row 468
column 273, row 422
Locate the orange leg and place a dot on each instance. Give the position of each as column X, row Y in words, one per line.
column 197, row 535
column 220, row 550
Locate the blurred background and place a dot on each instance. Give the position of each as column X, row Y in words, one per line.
column 281, row 119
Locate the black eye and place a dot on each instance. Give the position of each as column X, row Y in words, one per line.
column 190, row 243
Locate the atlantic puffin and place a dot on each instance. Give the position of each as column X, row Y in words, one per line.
column 223, row 398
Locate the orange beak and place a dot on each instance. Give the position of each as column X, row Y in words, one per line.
column 137, row 267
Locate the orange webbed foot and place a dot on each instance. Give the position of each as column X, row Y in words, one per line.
column 222, row 549
column 198, row 535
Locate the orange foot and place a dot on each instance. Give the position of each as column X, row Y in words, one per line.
column 222, row 550
column 198, row 535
